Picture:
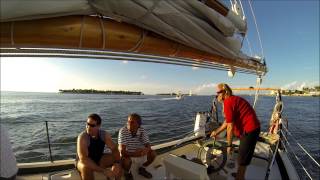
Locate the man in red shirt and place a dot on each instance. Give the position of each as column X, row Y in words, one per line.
column 241, row 121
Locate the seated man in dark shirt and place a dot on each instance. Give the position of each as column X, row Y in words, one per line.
column 90, row 151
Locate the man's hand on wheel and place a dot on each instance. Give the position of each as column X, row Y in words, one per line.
column 213, row 134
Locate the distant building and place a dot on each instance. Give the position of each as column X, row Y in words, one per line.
column 314, row 93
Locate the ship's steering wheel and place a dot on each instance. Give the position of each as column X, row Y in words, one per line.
column 214, row 155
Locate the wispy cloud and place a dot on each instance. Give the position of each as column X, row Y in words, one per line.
column 205, row 88
column 143, row 77
column 309, row 68
column 299, row 85
column 195, row 68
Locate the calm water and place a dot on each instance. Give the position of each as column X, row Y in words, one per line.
column 24, row 114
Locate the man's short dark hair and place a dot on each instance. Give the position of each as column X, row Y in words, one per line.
column 136, row 117
column 96, row 118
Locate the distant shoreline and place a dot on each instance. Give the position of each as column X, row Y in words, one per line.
column 293, row 95
column 303, row 95
column 93, row 91
column 162, row 94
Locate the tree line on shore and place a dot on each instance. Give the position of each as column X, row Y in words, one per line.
column 94, row 91
column 305, row 90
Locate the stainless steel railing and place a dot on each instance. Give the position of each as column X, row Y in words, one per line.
column 49, row 144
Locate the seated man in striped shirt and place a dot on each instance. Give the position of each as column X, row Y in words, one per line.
column 134, row 142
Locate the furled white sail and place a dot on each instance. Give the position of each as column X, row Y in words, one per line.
column 199, row 33
column 189, row 22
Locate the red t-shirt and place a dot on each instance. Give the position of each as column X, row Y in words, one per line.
column 240, row 112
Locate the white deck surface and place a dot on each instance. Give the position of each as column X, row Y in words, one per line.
column 256, row 170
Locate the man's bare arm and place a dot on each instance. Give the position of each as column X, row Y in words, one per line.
column 109, row 142
column 219, row 130
column 222, row 127
column 125, row 153
column 229, row 133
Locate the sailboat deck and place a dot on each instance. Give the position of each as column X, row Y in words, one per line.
column 256, row 170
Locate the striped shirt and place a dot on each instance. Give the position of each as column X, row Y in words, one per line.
column 133, row 143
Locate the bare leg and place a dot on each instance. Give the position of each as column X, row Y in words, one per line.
column 126, row 163
column 241, row 172
column 107, row 160
column 85, row 173
column 150, row 158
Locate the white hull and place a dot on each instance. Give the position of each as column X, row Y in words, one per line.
column 179, row 97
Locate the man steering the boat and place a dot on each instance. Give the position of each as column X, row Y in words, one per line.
column 134, row 146
column 91, row 151
column 241, row 121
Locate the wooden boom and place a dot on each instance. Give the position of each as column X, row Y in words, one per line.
column 91, row 32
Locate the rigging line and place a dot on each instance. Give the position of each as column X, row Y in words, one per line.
column 160, row 141
column 272, row 161
column 40, row 144
column 244, row 16
column 249, row 45
column 102, row 31
column 72, row 154
column 255, row 22
column 301, row 146
column 81, row 31
column 177, row 50
column 11, row 33
column 292, row 127
column 66, row 154
column 178, row 137
column 298, row 159
column 308, row 153
column 257, row 92
column 179, row 128
column 86, row 53
column 285, row 138
column 66, row 143
column 140, row 42
column 32, row 157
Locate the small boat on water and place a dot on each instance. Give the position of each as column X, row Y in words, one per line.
column 187, row 33
column 179, row 96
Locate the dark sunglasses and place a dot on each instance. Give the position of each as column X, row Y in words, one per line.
column 221, row 91
column 91, row 125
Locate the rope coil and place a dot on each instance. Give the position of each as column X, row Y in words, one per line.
column 140, row 42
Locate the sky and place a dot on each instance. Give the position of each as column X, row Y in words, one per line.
column 289, row 31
